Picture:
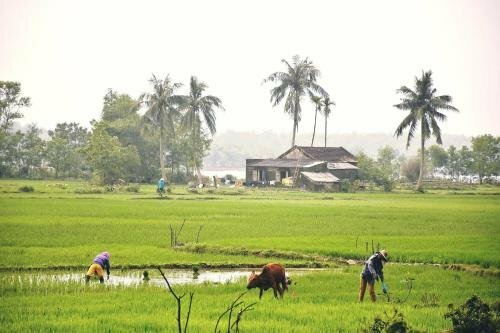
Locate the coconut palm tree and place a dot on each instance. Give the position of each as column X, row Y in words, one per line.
column 162, row 110
column 326, row 112
column 423, row 105
column 199, row 109
column 292, row 85
column 318, row 103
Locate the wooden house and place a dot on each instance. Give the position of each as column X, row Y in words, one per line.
column 316, row 168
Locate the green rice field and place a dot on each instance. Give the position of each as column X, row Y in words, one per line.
column 62, row 225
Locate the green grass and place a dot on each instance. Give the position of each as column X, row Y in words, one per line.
column 318, row 302
column 58, row 226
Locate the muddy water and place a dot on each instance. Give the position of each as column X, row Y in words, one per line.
column 134, row 278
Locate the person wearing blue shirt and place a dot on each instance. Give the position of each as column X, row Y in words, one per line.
column 161, row 186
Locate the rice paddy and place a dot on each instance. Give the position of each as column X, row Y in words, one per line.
column 60, row 227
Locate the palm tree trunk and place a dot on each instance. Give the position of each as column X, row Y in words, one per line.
column 162, row 159
column 422, row 154
column 295, row 118
column 197, row 136
column 326, row 126
column 314, row 131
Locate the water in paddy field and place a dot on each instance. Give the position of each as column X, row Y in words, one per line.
column 133, row 278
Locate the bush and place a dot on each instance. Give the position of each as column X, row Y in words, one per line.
column 345, row 185
column 472, row 316
column 133, row 188
column 88, row 190
column 392, row 324
column 26, row 188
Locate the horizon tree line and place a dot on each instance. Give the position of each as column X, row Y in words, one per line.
column 121, row 144
column 186, row 123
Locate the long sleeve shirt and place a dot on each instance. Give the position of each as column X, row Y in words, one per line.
column 373, row 268
column 103, row 260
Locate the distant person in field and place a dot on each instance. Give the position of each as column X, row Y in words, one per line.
column 372, row 271
column 100, row 262
column 161, row 186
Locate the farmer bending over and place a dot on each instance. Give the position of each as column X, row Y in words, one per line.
column 372, row 271
column 100, row 262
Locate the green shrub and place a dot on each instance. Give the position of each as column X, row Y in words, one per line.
column 26, row 188
column 391, row 324
column 472, row 316
column 133, row 188
column 88, row 190
column 346, row 186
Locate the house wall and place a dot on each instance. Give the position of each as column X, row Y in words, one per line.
column 249, row 168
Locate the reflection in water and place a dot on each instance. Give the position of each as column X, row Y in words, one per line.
column 135, row 278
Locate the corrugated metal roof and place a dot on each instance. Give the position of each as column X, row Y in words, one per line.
column 323, row 177
column 341, row 166
column 285, row 163
column 331, row 154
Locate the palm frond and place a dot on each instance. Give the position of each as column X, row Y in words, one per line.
column 436, row 131
column 277, row 93
column 407, row 92
column 407, row 121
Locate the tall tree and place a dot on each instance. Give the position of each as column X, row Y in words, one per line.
column 299, row 79
column 200, row 110
column 162, row 109
column 387, row 161
column 424, row 107
column 31, row 150
column 118, row 106
column 326, row 112
column 438, row 156
column 453, row 162
column 466, row 159
column 109, row 159
column 10, row 104
column 10, row 153
column 64, row 150
column 486, row 155
column 318, row 103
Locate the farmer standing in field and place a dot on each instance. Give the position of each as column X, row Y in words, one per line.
column 161, row 185
column 100, row 262
column 372, row 271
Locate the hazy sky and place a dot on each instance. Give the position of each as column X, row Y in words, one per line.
column 67, row 53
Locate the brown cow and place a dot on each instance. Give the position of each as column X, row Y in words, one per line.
column 272, row 276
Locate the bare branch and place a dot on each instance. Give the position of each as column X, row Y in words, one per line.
column 179, row 305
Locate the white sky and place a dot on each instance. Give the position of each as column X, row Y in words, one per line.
column 67, row 53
